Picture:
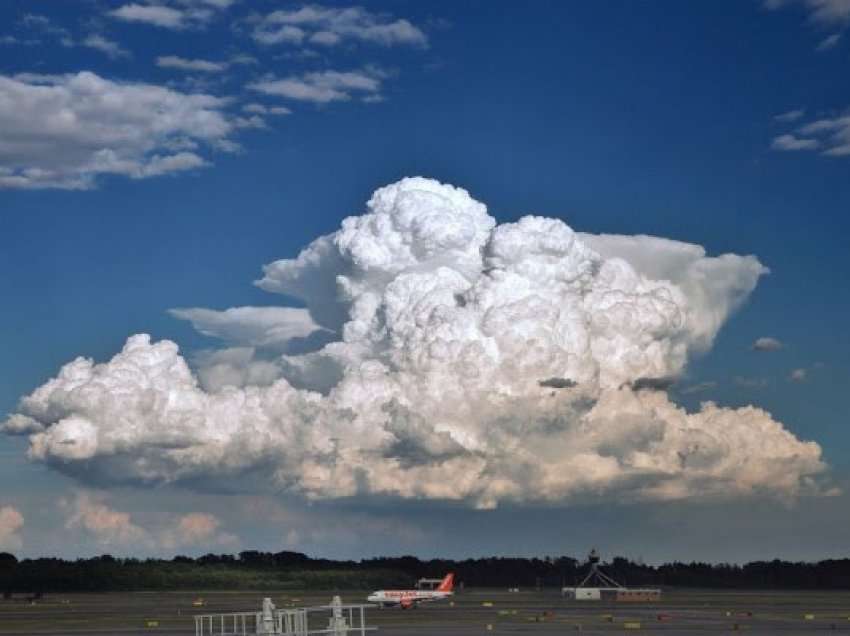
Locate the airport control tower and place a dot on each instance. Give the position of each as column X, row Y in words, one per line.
column 598, row 586
column 596, row 577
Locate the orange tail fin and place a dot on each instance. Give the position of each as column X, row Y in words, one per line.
column 447, row 583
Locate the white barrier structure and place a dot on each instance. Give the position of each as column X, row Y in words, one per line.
column 344, row 620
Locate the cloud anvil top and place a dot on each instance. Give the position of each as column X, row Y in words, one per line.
column 440, row 356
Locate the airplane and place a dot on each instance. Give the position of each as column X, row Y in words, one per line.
column 412, row 598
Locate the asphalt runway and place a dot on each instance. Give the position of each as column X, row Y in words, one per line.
column 679, row 613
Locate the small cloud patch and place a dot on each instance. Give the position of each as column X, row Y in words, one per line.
column 798, row 375
column 767, row 344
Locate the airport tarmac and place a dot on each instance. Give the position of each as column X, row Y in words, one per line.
column 480, row 611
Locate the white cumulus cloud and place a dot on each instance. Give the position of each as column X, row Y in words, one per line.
column 17, row 424
column 231, row 366
column 91, row 513
column 323, row 86
column 106, row 525
column 170, row 14
column 329, row 26
column 467, row 361
column 153, row 14
column 64, row 131
column 196, row 530
column 11, row 522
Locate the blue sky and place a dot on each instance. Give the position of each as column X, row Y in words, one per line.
column 721, row 125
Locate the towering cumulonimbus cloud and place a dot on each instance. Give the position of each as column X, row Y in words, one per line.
column 459, row 359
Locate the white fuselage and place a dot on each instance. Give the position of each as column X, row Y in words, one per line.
column 406, row 597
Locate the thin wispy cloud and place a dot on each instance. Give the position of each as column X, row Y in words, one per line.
column 184, row 64
column 750, row 383
column 42, row 23
column 830, row 136
column 244, row 59
column 218, row 4
column 35, row 20
column 829, row 12
column 700, row 387
column 44, row 26
column 11, row 40
column 254, row 121
column 322, row 87
column 829, row 42
column 34, row 28
column 820, row 12
column 108, row 47
column 790, row 116
column 260, row 109
column 834, row 133
column 822, row 15
column 251, row 326
column 789, row 142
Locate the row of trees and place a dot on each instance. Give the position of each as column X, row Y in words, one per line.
column 280, row 570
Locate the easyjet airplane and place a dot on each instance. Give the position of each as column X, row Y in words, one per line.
column 412, row 598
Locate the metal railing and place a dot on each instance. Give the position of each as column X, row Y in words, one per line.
column 237, row 624
column 343, row 620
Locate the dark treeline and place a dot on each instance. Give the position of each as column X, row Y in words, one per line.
column 264, row 570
